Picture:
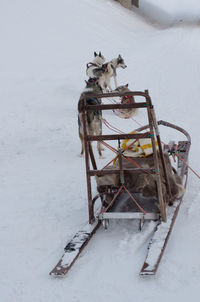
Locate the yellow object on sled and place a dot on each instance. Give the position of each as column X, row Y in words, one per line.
column 141, row 148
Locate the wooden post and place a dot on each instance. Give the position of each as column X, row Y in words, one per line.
column 87, row 164
column 161, row 152
column 156, row 163
column 92, row 156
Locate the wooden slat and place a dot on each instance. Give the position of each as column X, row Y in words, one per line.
column 118, row 136
column 115, row 106
column 129, row 215
column 115, row 171
column 115, row 94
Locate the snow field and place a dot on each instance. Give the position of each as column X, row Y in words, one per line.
column 45, row 47
column 168, row 13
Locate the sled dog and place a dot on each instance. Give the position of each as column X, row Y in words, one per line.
column 126, row 113
column 97, row 63
column 107, row 71
column 93, row 118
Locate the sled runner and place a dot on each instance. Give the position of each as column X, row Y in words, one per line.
column 139, row 183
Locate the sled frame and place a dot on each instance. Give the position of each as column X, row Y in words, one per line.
column 153, row 134
column 75, row 246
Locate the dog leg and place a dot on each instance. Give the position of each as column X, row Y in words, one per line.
column 115, row 80
column 82, row 145
column 98, row 131
column 109, row 85
column 82, row 151
column 102, row 84
column 102, row 148
column 99, row 149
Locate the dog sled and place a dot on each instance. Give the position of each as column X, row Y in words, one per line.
column 117, row 183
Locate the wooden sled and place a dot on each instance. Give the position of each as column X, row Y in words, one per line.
column 143, row 209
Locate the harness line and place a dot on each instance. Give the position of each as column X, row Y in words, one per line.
column 107, row 124
column 195, row 173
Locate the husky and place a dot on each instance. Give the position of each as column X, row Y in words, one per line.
column 107, row 71
column 93, row 118
column 97, row 63
column 125, row 113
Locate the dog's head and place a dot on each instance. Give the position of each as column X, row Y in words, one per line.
column 123, row 88
column 125, row 99
column 99, row 58
column 93, row 83
column 120, row 62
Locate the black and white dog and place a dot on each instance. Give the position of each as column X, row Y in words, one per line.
column 96, row 63
column 93, row 118
column 107, row 71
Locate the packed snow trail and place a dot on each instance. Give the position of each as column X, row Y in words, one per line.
column 45, row 46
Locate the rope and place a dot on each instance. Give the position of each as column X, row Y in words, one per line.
column 110, row 162
column 115, row 197
column 112, row 101
column 114, row 159
column 109, row 147
column 111, row 127
column 195, row 173
column 136, row 121
column 137, row 204
column 126, row 158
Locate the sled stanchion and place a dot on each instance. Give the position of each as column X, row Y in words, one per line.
column 160, row 151
column 155, row 156
column 92, row 156
column 121, row 174
column 87, row 164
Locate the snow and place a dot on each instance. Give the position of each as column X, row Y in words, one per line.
column 170, row 12
column 45, row 46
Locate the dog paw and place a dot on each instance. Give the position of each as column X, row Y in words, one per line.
column 101, row 156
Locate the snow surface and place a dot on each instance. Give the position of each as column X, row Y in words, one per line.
column 45, row 46
column 171, row 11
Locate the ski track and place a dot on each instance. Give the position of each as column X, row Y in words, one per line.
column 45, row 47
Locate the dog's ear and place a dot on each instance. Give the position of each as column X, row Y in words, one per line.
column 126, row 85
column 95, row 54
column 119, row 57
column 100, row 53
